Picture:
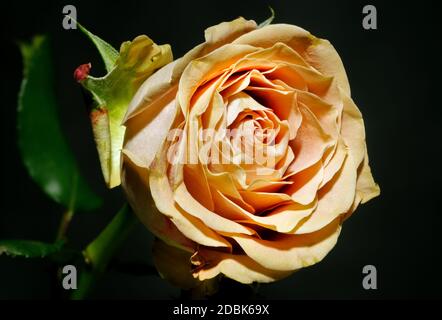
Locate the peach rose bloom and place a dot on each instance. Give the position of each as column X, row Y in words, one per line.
column 250, row 220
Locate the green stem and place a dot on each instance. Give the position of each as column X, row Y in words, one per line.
column 100, row 251
column 64, row 224
column 69, row 213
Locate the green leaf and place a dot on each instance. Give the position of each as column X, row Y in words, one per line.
column 29, row 249
column 107, row 52
column 268, row 20
column 44, row 149
column 137, row 60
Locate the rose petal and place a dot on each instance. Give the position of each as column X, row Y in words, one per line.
column 158, row 85
column 240, row 102
column 146, row 132
column 335, row 163
column 134, row 181
column 228, row 208
column 261, row 201
column 212, row 220
column 353, row 131
column 366, row 187
column 295, row 37
column 318, row 53
column 226, row 32
column 291, row 252
column 279, row 52
column 267, row 186
column 335, row 198
column 310, row 143
column 327, row 114
column 237, row 267
column 283, row 103
column 198, row 186
column 306, row 184
column 287, row 217
column 323, row 56
column 283, row 218
column 162, row 195
column 206, row 68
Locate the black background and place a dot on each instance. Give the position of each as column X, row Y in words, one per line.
column 394, row 74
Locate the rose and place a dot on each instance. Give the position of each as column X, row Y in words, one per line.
column 256, row 220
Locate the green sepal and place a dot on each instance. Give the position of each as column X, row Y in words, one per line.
column 136, row 61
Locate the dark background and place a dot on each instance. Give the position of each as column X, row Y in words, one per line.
column 394, row 74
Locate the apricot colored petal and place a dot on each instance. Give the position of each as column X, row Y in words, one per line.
column 306, row 184
column 283, row 103
column 153, row 88
column 146, row 132
column 198, row 186
column 353, row 131
column 214, row 113
column 227, row 208
column 238, row 103
column 366, row 187
column 335, row 163
column 212, row 220
column 134, row 181
column 334, row 199
column 324, row 58
column 318, row 53
column 206, row 68
column 291, row 252
column 261, row 201
column 150, row 116
column 327, row 114
column 162, row 195
column 224, row 183
column 286, row 218
column 226, row 32
column 240, row 268
column 283, row 218
column 295, row 37
column 267, row 186
column 310, row 143
column 279, row 52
